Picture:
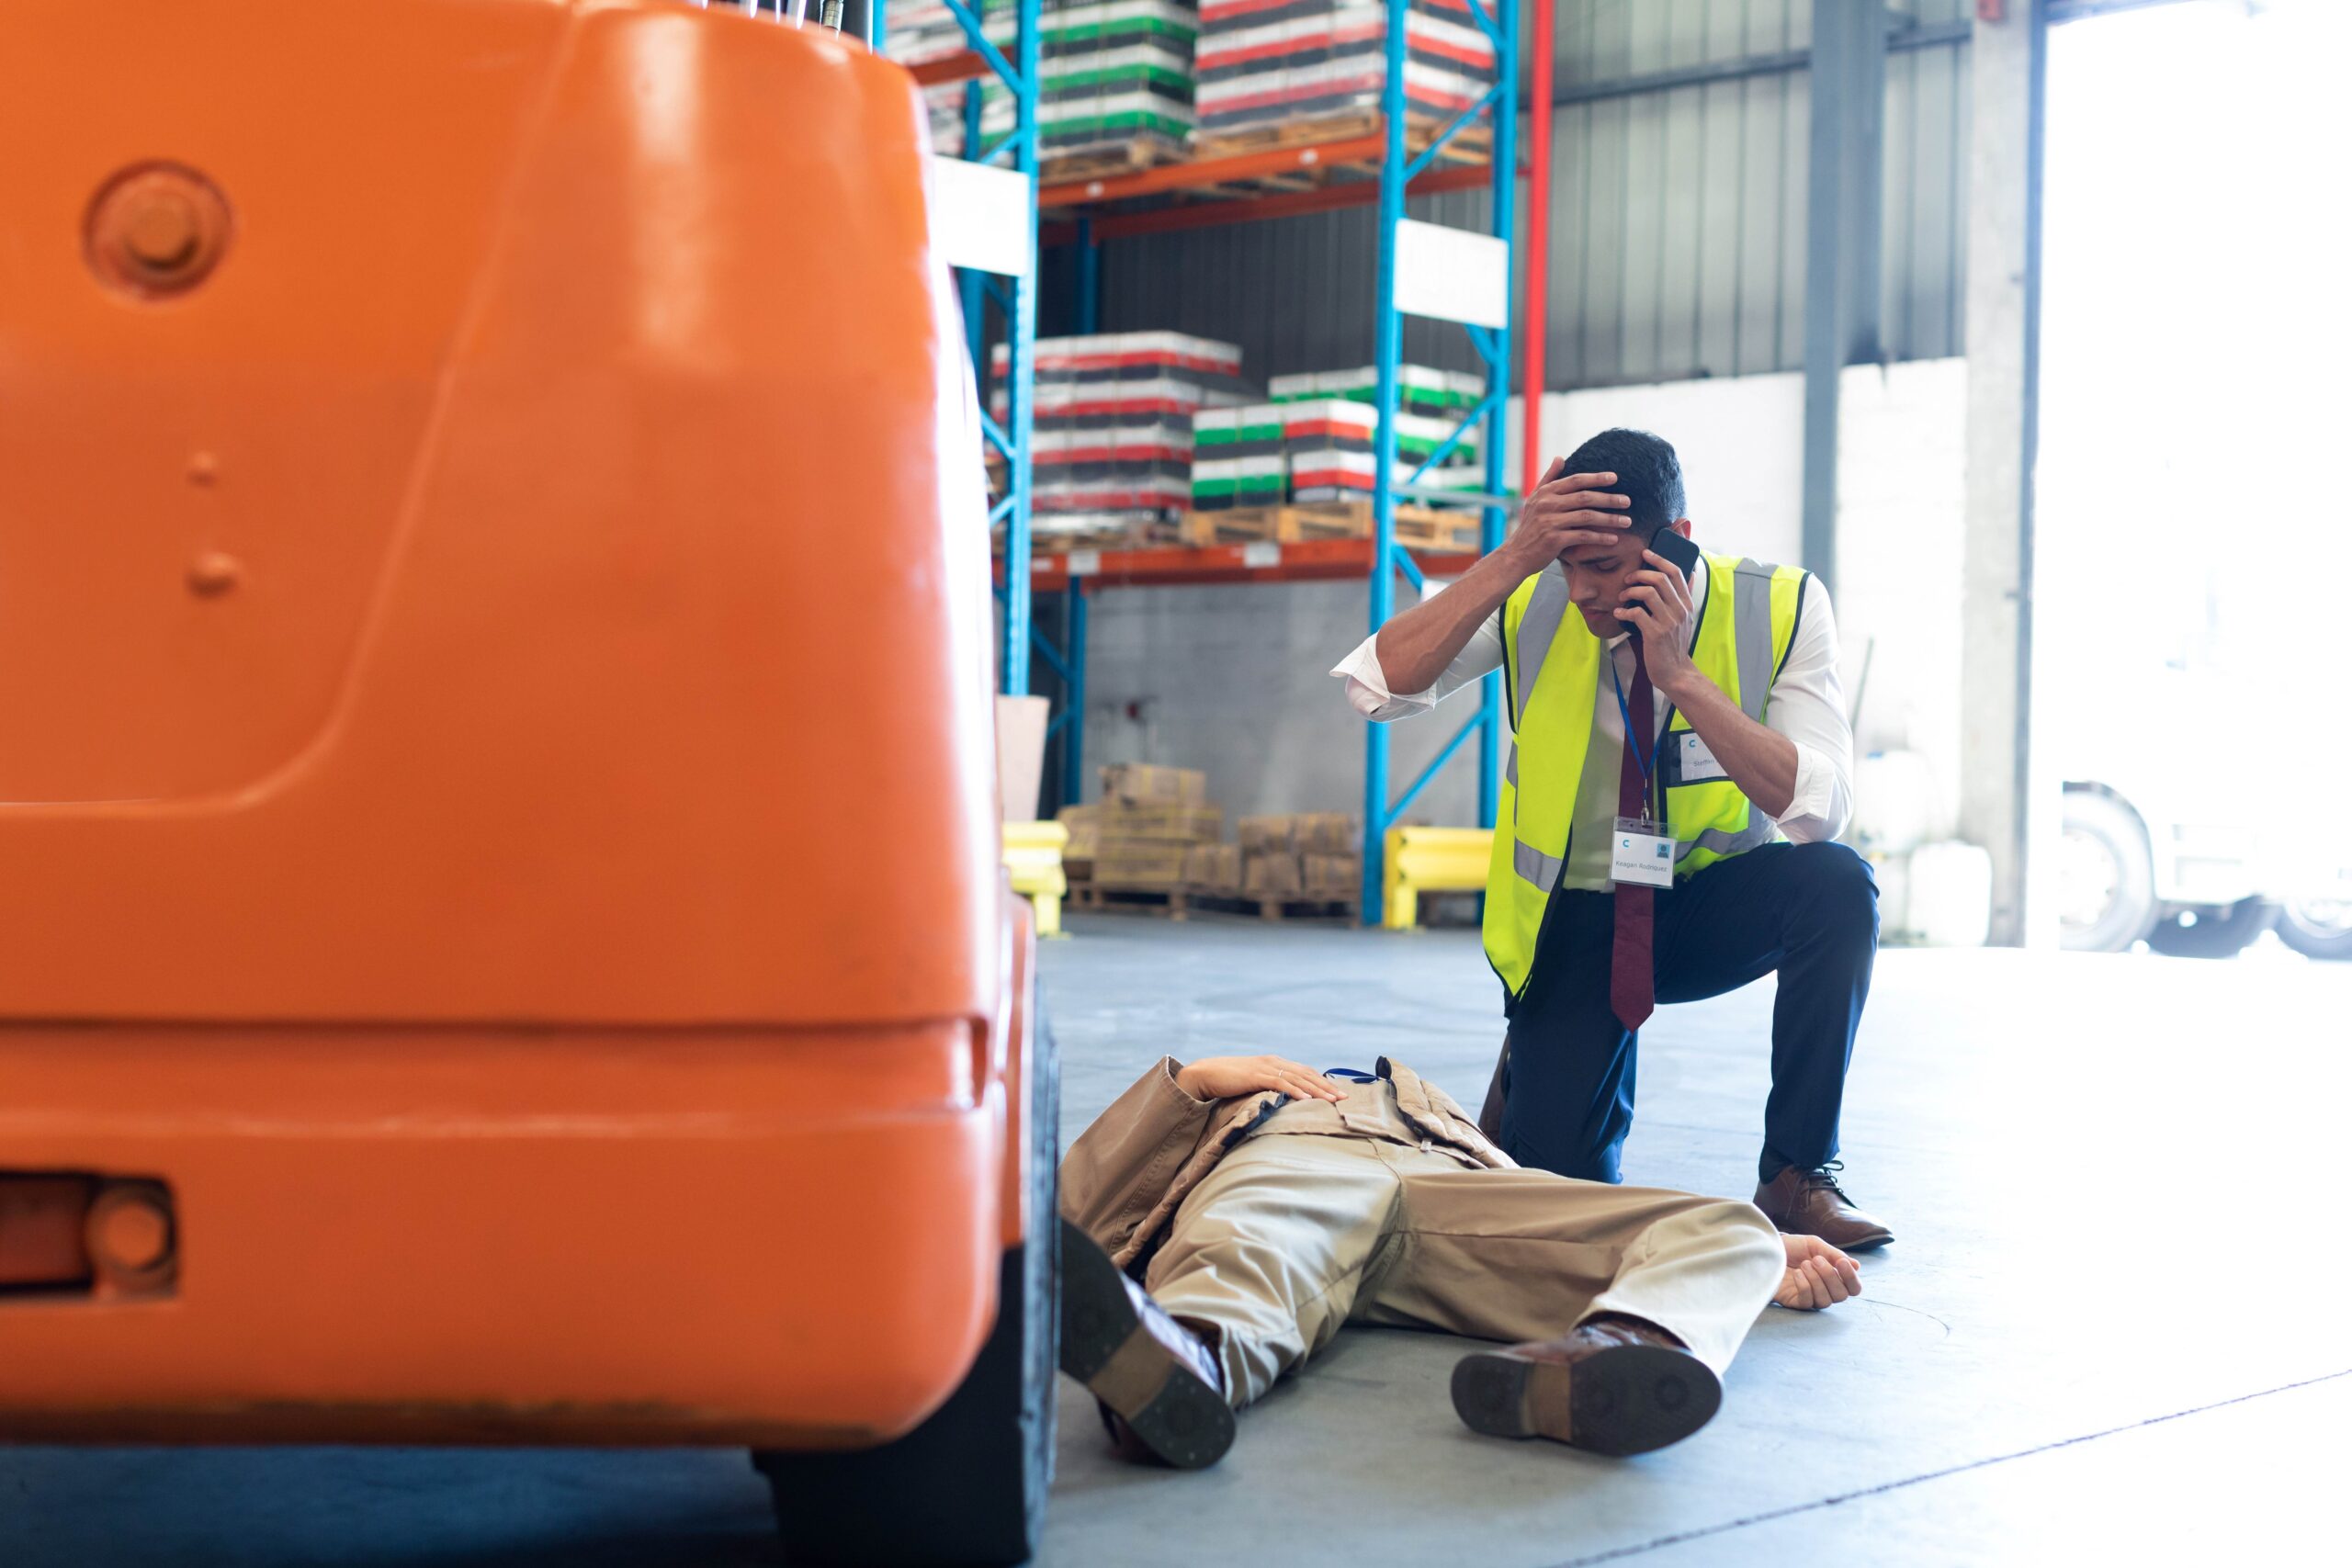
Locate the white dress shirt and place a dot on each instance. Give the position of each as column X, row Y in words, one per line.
column 1808, row 703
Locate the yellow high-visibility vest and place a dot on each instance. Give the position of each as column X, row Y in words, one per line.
column 1552, row 664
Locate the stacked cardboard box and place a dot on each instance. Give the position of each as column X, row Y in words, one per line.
column 1149, row 823
column 1238, row 457
column 1147, row 783
column 1213, row 868
column 1262, row 62
column 1114, row 72
column 1313, row 855
column 1113, row 427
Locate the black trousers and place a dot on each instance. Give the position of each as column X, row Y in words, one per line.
column 1808, row 910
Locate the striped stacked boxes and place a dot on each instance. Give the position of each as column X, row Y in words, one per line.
column 1238, row 457
column 1114, row 72
column 1328, row 424
column 1262, row 62
column 1113, row 427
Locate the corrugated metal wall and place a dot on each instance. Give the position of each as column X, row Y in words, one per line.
column 1677, row 228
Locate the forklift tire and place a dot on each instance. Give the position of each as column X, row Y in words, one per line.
column 967, row 1487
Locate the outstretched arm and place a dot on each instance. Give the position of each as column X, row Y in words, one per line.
column 1818, row 1275
column 1229, row 1077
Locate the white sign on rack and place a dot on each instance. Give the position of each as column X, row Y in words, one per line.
column 1453, row 274
column 979, row 216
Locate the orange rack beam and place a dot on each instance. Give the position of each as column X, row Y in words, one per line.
column 961, row 67
column 1209, row 172
column 1308, row 560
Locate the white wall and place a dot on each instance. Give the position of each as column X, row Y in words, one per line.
column 1232, row 680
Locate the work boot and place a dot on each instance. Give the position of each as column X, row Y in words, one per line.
column 1810, row 1203
column 1614, row 1384
column 1162, row 1394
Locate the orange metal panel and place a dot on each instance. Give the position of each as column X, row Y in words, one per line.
column 579, row 395
column 471, row 1234
column 497, row 819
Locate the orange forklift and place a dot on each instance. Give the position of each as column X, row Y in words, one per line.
column 501, row 935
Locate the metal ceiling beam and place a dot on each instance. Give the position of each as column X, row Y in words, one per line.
column 1932, row 34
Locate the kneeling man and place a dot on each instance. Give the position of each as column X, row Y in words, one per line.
column 1223, row 1220
column 1667, row 737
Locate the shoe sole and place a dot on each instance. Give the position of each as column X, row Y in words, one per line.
column 1870, row 1241
column 1106, row 1347
column 1628, row 1399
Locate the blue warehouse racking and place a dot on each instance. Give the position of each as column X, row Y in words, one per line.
column 1380, row 168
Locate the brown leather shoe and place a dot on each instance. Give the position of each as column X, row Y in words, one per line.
column 1611, row 1385
column 1162, row 1394
column 1810, row 1203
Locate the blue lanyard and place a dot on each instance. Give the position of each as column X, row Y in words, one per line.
column 1626, row 712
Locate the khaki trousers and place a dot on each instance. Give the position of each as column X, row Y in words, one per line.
column 1295, row 1234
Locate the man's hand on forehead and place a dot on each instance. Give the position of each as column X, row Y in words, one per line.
column 1568, row 512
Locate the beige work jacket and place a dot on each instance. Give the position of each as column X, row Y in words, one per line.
column 1123, row 1179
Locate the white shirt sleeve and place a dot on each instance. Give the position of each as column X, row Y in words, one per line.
column 1809, row 707
column 1368, row 690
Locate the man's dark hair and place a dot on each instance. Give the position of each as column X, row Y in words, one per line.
column 1649, row 474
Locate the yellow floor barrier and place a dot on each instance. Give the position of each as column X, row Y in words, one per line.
column 1431, row 860
column 1033, row 853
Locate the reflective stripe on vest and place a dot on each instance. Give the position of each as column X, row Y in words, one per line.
column 1743, row 632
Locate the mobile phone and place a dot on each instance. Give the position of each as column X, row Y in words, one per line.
column 1678, row 550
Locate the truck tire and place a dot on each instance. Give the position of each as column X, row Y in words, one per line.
column 2222, row 932
column 967, row 1487
column 2318, row 929
column 2108, row 897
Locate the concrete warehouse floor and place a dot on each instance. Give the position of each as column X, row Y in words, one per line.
column 2116, row 1322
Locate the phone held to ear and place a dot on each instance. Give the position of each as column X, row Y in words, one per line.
column 1678, row 549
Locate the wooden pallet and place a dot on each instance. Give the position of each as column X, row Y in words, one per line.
column 1418, row 527
column 1475, row 144
column 1109, row 163
column 1134, row 536
column 1179, row 903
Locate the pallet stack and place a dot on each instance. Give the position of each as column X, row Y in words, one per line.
column 1329, row 420
column 1154, row 845
column 1238, row 457
column 1315, row 857
column 1116, row 79
column 1141, row 836
column 1112, row 446
column 1281, row 66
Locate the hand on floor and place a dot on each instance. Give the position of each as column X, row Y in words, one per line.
column 1227, row 1077
column 1818, row 1275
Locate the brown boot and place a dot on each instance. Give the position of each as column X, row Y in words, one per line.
column 1810, row 1203
column 1162, row 1394
column 1614, row 1384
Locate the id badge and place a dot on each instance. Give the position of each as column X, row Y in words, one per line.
column 1641, row 853
column 1698, row 763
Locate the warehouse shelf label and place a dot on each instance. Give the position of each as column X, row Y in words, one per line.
column 1264, row 552
column 1453, row 274
column 979, row 216
column 1084, row 563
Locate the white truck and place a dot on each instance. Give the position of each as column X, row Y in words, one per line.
column 2180, row 827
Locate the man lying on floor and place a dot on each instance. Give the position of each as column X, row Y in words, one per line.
column 1263, row 1204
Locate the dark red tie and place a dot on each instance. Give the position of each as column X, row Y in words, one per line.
column 1632, row 984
